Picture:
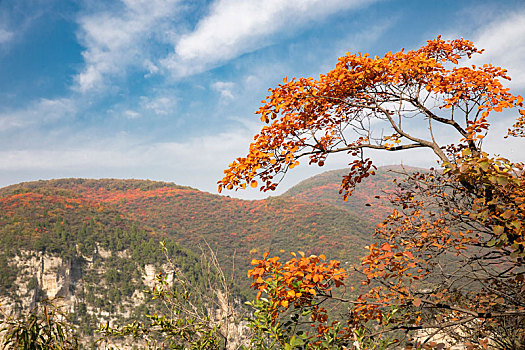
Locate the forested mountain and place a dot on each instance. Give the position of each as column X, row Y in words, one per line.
column 95, row 243
column 55, row 243
column 168, row 211
column 369, row 201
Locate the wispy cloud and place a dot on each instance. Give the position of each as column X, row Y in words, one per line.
column 115, row 39
column 160, row 105
column 119, row 38
column 504, row 42
column 5, row 36
column 224, row 88
column 235, row 27
column 197, row 162
column 130, row 114
column 14, row 22
column 39, row 112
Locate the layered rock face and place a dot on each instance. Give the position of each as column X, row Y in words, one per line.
column 77, row 285
column 40, row 277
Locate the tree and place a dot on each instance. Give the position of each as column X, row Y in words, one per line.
column 308, row 118
column 450, row 258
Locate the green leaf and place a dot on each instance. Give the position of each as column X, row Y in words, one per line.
column 498, row 230
column 516, row 224
column 484, row 165
column 502, row 180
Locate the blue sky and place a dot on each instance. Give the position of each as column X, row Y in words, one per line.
column 167, row 89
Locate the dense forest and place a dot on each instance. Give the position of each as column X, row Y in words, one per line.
column 70, row 215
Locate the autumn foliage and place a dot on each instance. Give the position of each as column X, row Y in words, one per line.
column 310, row 118
column 447, row 266
column 299, row 280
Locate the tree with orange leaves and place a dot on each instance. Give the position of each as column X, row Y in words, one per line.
column 352, row 107
column 302, row 284
column 450, row 258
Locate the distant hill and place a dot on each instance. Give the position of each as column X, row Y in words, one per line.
column 33, row 212
column 369, row 201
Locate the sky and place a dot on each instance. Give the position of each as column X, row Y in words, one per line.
column 167, row 89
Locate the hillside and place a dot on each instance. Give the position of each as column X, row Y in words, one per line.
column 95, row 243
column 69, row 217
column 369, row 201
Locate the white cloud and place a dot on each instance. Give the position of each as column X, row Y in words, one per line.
column 224, row 88
column 197, row 162
column 5, row 36
column 160, row 105
column 235, row 27
column 40, row 112
column 151, row 67
column 117, row 39
column 504, row 42
column 131, row 114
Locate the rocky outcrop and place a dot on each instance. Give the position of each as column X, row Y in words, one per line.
column 231, row 321
column 42, row 276
column 45, row 276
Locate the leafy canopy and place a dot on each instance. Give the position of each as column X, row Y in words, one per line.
column 367, row 102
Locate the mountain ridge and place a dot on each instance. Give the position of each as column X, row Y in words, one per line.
column 245, row 227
